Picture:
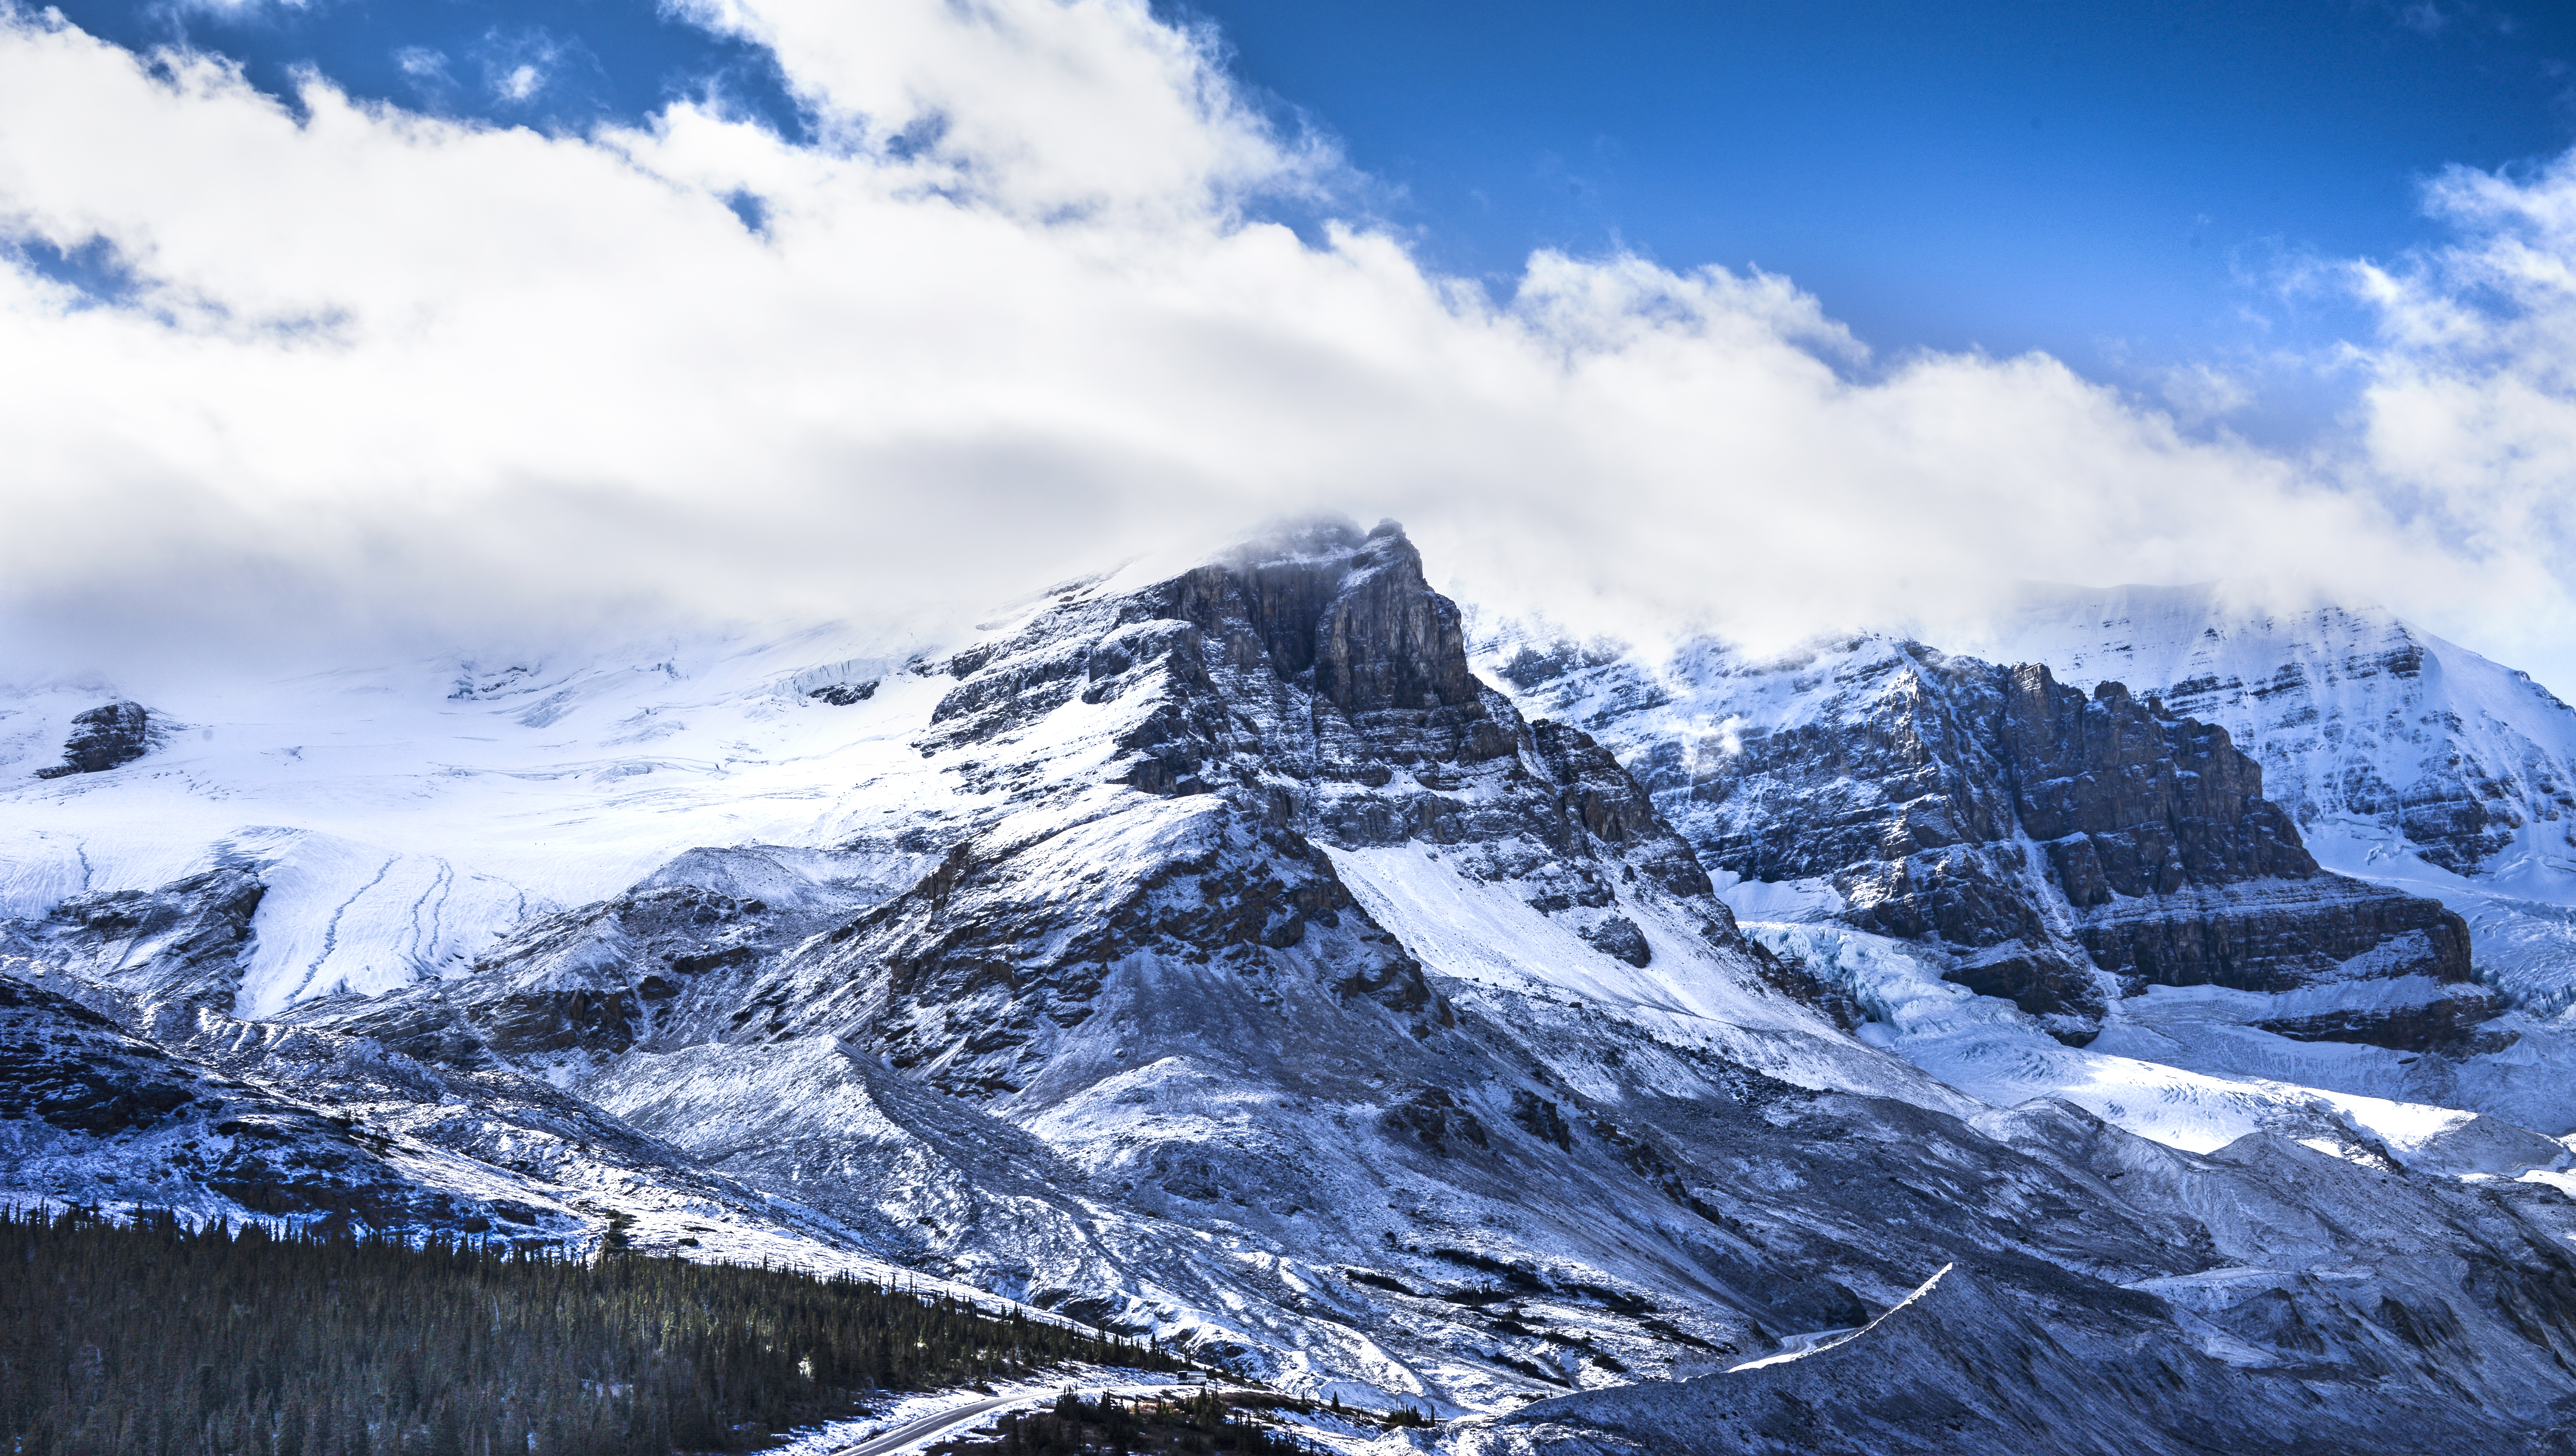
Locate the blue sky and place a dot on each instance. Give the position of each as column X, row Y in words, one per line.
column 2124, row 185
column 2004, row 175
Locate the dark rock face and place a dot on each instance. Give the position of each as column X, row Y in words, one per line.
column 1302, row 685
column 2150, row 825
column 842, row 695
column 2064, row 848
column 1328, row 662
column 2356, row 715
column 62, row 1063
column 180, row 943
column 103, row 738
column 602, row 971
column 2277, row 942
column 2132, row 802
column 2451, row 1022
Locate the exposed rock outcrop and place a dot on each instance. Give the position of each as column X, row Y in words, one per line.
column 2357, row 717
column 105, row 737
column 2400, row 755
column 1309, row 695
column 92, row 1115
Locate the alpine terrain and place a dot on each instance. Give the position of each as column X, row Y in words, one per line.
column 2145, row 1035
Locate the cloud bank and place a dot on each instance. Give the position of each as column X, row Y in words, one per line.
column 343, row 378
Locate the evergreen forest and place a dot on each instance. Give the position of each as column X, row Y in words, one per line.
column 154, row 1339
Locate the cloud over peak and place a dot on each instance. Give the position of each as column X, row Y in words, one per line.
column 377, row 380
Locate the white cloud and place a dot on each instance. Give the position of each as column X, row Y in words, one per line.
column 1042, row 108
column 239, row 9
column 409, row 381
column 518, row 83
column 2470, row 412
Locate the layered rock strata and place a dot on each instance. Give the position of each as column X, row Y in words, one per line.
column 2359, row 718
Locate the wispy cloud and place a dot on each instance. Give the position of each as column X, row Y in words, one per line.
column 2198, row 393
column 379, row 380
column 239, row 9
column 517, row 67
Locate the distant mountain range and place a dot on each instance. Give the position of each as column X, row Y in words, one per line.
column 1261, row 954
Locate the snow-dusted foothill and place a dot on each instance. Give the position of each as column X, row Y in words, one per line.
column 1207, row 951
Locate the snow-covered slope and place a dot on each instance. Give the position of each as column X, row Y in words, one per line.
column 403, row 818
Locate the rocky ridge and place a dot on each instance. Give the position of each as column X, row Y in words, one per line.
column 2359, row 718
column 2059, row 850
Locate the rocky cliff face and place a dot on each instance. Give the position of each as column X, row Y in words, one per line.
column 92, row 1115
column 1266, row 712
column 180, row 943
column 2404, row 759
column 2064, row 850
column 2356, row 715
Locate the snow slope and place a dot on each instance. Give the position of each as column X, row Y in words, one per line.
column 404, row 817
column 2135, row 1077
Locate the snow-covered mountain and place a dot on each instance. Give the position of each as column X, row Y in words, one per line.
column 1207, row 950
column 2404, row 758
column 1989, row 860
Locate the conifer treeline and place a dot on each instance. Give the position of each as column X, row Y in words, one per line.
column 153, row 1340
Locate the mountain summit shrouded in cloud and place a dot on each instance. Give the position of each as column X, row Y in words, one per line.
column 284, row 375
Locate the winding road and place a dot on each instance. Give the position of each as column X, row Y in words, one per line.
column 932, row 1425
